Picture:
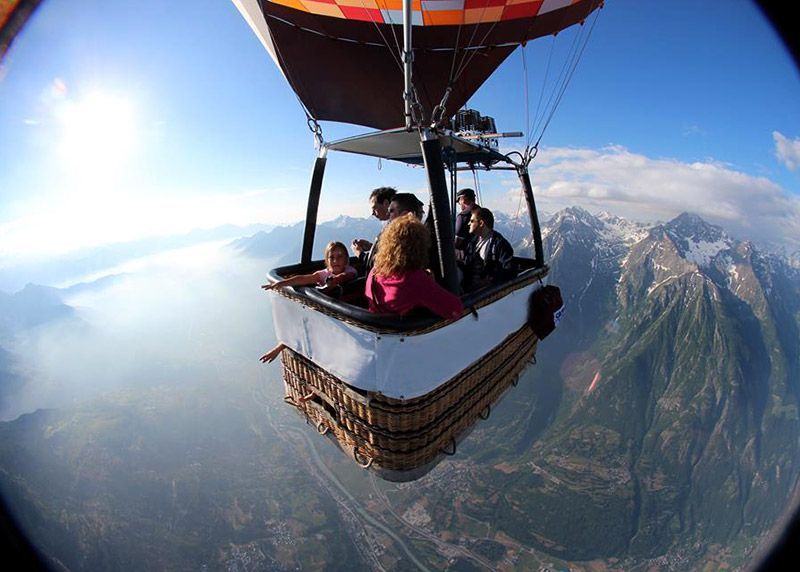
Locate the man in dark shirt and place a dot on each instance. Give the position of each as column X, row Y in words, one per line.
column 403, row 203
column 466, row 200
column 489, row 257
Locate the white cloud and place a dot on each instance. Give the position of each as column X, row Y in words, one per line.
column 787, row 150
column 71, row 221
column 639, row 187
column 612, row 178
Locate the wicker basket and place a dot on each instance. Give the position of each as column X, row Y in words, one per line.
column 402, row 435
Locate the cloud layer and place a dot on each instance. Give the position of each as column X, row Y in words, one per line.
column 631, row 185
column 612, row 178
column 184, row 317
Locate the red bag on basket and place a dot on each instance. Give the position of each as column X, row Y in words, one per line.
column 545, row 308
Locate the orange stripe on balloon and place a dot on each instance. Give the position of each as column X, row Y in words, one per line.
column 366, row 4
column 478, row 15
column 442, row 17
column 323, row 9
column 296, row 4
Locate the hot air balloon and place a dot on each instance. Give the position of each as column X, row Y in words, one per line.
column 13, row 16
column 397, row 393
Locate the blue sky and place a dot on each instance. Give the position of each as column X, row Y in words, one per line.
column 120, row 120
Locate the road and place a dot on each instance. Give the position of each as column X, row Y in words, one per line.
column 441, row 544
column 285, row 431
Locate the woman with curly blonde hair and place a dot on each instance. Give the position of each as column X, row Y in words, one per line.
column 399, row 282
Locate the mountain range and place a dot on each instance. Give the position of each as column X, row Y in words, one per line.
column 29, row 307
column 660, row 425
column 677, row 422
column 659, row 429
column 284, row 243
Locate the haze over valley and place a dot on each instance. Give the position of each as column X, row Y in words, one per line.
column 142, row 432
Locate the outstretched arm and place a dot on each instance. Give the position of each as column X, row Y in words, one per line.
column 298, row 280
column 272, row 354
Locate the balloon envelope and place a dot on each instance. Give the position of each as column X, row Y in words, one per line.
column 342, row 57
column 13, row 15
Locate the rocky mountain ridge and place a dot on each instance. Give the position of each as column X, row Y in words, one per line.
column 678, row 421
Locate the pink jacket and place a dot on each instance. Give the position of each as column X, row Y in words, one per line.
column 401, row 294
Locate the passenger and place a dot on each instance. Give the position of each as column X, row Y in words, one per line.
column 399, row 204
column 379, row 200
column 337, row 271
column 489, row 258
column 272, row 354
column 466, row 200
column 403, row 203
column 399, row 283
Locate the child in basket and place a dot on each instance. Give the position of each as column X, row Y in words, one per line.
column 337, row 271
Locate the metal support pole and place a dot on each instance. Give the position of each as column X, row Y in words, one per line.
column 313, row 205
column 407, row 58
column 453, row 168
column 440, row 210
column 525, row 179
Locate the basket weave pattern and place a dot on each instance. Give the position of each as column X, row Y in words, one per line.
column 405, row 434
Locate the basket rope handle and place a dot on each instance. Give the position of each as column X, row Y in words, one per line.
column 366, row 464
column 450, row 453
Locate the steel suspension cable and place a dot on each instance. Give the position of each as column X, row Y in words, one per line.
column 576, row 59
column 467, row 60
column 526, row 98
column 558, row 84
column 476, row 182
column 516, row 215
column 395, row 56
column 311, row 121
column 533, row 127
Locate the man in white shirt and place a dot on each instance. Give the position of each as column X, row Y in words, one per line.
column 379, row 201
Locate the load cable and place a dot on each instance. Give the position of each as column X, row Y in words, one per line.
column 311, row 121
column 536, row 119
column 383, row 37
column 575, row 54
column 474, row 49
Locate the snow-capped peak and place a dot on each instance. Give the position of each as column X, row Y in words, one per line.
column 697, row 240
column 622, row 230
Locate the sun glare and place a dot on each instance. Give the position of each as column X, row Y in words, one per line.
column 99, row 134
